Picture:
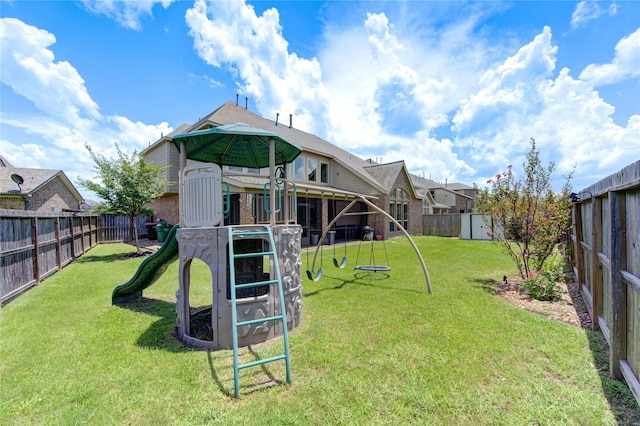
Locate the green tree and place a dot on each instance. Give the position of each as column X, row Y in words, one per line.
column 127, row 184
column 533, row 218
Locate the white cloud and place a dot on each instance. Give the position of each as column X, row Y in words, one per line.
column 67, row 116
column 127, row 13
column 30, row 69
column 625, row 64
column 570, row 121
column 384, row 91
column 390, row 93
column 588, row 10
column 380, row 37
column 231, row 34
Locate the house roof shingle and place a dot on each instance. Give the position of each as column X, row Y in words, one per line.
column 230, row 113
column 33, row 179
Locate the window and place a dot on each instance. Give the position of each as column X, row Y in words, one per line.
column 399, row 208
column 312, row 169
column 298, row 168
column 324, row 173
column 235, row 169
column 425, row 206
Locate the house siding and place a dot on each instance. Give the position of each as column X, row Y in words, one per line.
column 344, row 179
column 166, row 154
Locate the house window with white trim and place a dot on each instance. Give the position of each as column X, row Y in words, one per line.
column 324, row 173
column 312, row 169
column 298, row 168
column 399, row 208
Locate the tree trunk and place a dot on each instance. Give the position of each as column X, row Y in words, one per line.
column 134, row 224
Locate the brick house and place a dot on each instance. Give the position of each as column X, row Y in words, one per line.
column 326, row 177
column 40, row 190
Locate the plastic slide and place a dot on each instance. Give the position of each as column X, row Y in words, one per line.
column 149, row 271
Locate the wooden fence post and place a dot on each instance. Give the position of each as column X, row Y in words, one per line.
column 618, row 302
column 596, row 263
column 36, row 257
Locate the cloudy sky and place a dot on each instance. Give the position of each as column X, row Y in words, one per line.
column 455, row 89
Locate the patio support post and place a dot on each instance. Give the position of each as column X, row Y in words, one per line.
column 272, row 187
column 183, row 164
column 285, row 196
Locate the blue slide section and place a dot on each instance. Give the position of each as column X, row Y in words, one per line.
column 149, row 271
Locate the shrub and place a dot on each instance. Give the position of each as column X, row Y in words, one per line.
column 532, row 216
column 541, row 286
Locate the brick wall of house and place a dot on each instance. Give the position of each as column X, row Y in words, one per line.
column 167, row 208
column 246, row 217
column 52, row 197
column 415, row 211
column 11, row 202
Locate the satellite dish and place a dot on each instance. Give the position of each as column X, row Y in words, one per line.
column 17, row 179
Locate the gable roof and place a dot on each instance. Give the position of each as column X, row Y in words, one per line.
column 4, row 162
column 230, row 113
column 33, row 179
column 387, row 174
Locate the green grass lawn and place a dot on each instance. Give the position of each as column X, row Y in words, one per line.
column 373, row 348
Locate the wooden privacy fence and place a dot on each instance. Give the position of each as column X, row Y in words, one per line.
column 606, row 263
column 441, row 225
column 114, row 229
column 35, row 245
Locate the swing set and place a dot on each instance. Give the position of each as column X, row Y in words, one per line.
column 315, row 275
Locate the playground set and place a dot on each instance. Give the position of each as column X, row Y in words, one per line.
column 256, row 278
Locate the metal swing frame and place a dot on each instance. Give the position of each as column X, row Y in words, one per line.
column 379, row 210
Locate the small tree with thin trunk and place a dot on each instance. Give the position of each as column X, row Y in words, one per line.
column 127, row 184
column 532, row 217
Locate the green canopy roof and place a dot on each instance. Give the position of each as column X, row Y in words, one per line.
column 236, row 144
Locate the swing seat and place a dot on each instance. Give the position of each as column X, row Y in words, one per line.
column 342, row 264
column 316, row 277
column 372, row 268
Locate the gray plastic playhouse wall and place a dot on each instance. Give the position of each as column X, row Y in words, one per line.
column 209, row 244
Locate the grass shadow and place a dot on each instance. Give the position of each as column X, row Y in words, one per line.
column 112, row 257
column 621, row 400
column 269, row 380
column 162, row 334
column 486, row 284
column 362, row 278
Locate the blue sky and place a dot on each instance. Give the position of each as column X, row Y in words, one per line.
column 455, row 89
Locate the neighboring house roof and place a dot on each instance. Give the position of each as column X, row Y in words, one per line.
column 4, row 162
column 231, row 113
column 33, row 179
column 423, row 184
column 457, row 186
column 387, row 175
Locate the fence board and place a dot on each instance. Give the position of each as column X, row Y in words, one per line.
column 606, row 256
column 441, row 225
column 35, row 245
